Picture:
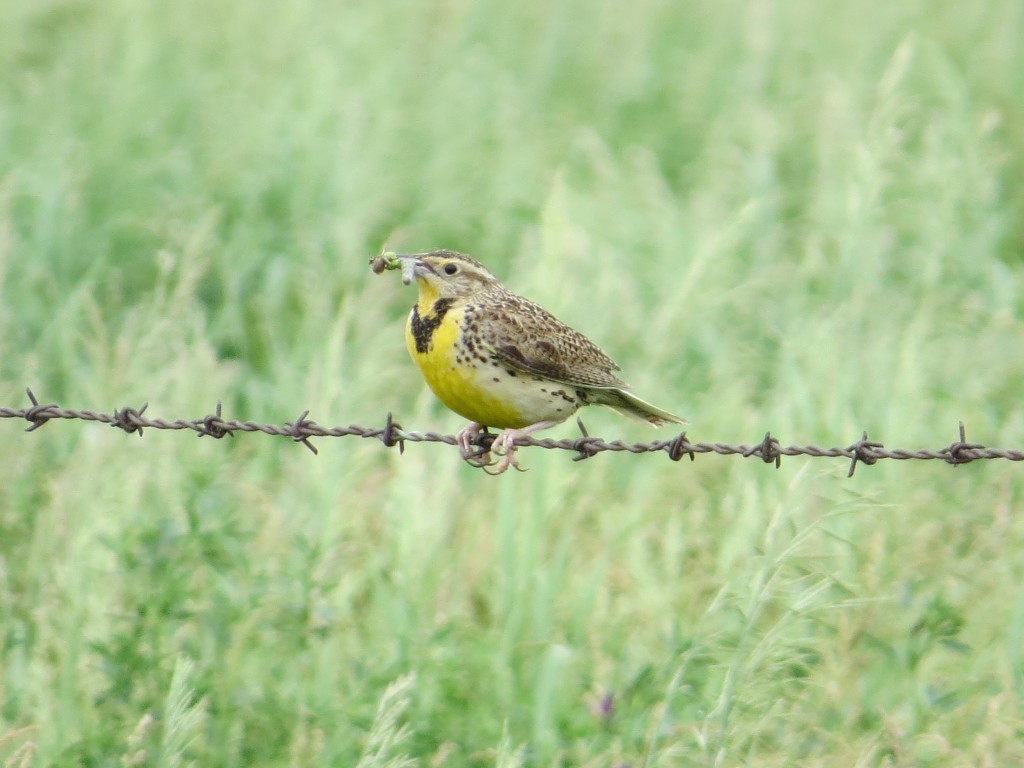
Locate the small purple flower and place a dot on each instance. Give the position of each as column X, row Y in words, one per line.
column 607, row 706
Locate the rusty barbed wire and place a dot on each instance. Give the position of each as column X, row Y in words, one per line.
column 769, row 449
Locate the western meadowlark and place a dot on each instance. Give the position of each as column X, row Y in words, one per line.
column 499, row 359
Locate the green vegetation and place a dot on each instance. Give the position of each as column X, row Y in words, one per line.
column 800, row 217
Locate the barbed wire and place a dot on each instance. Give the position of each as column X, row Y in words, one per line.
column 769, row 449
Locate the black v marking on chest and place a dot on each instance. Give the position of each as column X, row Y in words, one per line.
column 423, row 327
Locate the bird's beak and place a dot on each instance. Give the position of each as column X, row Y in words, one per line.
column 412, row 267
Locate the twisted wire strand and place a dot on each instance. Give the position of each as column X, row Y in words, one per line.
column 303, row 429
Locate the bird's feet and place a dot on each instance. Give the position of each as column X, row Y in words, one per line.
column 505, row 445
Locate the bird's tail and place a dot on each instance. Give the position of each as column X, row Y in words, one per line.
column 628, row 404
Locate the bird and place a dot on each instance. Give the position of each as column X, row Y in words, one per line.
column 500, row 360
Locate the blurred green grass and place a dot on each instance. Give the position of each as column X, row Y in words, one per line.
column 788, row 217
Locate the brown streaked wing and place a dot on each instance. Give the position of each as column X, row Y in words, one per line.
column 526, row 337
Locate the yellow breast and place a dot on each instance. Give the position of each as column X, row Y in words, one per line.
column 460, row 380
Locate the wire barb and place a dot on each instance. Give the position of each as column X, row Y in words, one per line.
column 388, row 435
column 38, row 414
column 585, row 446
column 301, row 431
column 863, row 451
column 129, row 419
column 961, row 452
column 769, row 450
column 484, row 441
column 680, row 447
column 213, row 425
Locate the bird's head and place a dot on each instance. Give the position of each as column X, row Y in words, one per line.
column 446, row 275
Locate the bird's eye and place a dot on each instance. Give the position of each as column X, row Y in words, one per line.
column 451, row 269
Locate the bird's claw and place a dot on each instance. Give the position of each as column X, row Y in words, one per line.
column 473, row 454
column 505, row 446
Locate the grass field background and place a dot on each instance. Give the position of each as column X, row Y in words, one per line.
column 796, row 217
